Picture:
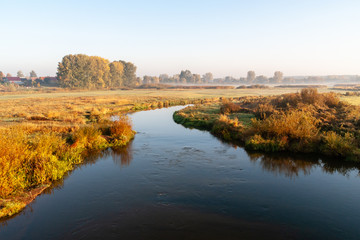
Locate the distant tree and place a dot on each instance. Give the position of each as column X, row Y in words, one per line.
column 176, row 78
column 250, row 76
column 2, row 75
column 164, row 78
column 197, row 78
column 146, row 79
column 229, row 79
column 183, row 80
column 8, row 75
column 116, row 74
column 33, row 73
column 278, row 77
column 242, row 80
column 261, row 79
column 155, row 80
column 129, row 74
column 187, row 75
column 208, row 77
column 20, row 74
column 83, row 71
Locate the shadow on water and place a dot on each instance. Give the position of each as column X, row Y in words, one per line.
column 292, row 165
column 122, row 155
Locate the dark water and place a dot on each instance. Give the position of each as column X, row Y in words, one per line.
column 177, row 183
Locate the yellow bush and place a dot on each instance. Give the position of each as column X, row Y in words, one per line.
column 295, row 124
column 121, row 130
column 335, row 144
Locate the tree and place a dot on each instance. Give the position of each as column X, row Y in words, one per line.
column 129, row 74
column 187, row 75
column 8, row 75
column 250, row 76
column 208, row 77
column 2, row 75
column 146, row 79
column 33, row 73
column 155, row 80
column 84, row 71
column 229, row 79
column 196, row 78
column 20, row 74
column 278, row 77
column 73, row 71
column 176, row 78
column 116, row 74
column 164, row 78
column 261, row 79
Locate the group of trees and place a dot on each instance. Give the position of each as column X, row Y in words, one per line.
column 19, row 74
column 185, row 77
column 261, row 79
column 85, row 71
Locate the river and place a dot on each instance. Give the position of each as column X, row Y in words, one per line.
column 177, row 183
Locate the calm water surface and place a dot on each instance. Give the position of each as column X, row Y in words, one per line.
column 176, row 183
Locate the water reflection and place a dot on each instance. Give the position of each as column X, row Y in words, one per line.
column 123, row 155
column 292, row 166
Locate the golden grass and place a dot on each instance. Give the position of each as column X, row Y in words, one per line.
column 354, row 100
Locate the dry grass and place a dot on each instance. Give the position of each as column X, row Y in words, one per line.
column 354, row 100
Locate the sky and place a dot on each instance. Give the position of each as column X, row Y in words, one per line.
column 225, row 37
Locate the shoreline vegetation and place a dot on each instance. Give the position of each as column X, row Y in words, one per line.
column 305, row 122
column 32, row 157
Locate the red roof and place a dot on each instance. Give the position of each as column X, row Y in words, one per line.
column 13, row 78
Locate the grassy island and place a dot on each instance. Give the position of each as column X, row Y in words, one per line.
column 307, row 121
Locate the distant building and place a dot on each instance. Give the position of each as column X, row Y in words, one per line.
column 14, row 80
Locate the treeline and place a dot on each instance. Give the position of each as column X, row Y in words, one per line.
column 186, row 77
column 82, row 71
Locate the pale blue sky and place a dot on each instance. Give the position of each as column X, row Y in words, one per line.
column 226, row 37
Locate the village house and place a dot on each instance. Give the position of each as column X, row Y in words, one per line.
column 14, row 80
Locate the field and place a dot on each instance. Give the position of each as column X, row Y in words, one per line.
column 64, row 107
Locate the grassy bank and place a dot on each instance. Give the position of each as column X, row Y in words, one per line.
column 307, row 121
column 31, row 158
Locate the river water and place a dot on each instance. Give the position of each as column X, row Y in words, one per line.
column 177, row 183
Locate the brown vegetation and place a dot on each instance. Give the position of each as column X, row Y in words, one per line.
column 299, row 122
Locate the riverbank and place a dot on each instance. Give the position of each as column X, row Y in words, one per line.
column 307, row 122
column 31, row 157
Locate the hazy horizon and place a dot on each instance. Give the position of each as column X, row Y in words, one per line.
column 227, row 38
